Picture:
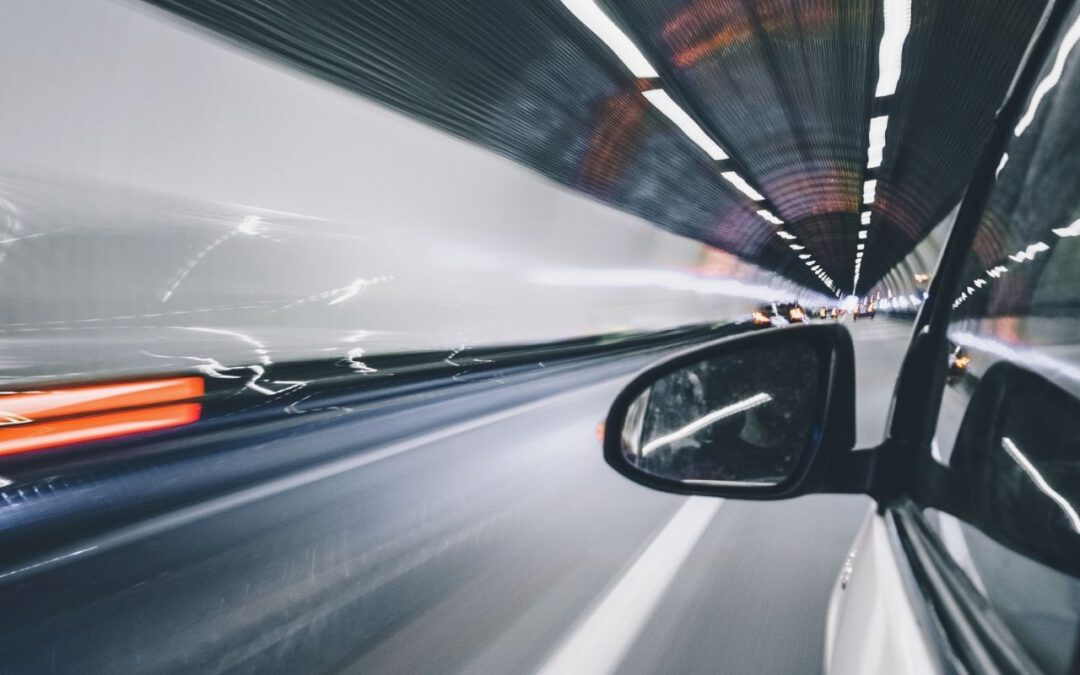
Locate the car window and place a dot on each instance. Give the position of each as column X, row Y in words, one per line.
column 1020, row 305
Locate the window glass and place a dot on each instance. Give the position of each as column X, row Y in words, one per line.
column 1015, row 462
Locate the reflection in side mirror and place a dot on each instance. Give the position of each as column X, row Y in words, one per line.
column 746, row 416
column 743, row 418
column 1014, row 469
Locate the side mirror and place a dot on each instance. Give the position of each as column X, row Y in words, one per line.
column 1014, row 468
column 768, row 415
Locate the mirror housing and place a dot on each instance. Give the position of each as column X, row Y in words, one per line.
column 815, row 457
column 1014, row 471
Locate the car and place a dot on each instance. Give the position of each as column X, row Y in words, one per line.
column 792, row 312
column 863, row 310
column 770, row 315
column 959, row 360
column 969, row 559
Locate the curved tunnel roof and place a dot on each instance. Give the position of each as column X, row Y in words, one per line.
column 784, row 91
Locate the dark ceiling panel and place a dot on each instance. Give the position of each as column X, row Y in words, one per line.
column 783, row 84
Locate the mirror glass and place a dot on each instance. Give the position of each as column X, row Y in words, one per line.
column 1017, row 459
column 743, row 418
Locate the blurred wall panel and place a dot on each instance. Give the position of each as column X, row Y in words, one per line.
column 169, row 200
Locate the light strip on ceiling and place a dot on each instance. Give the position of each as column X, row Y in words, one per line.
column 594, row 18
column 671, row 109
column 864, row 218
column 869, row 191
column 1073, row 230
column 767, row 215
column 589, row 13
column 742, row 186
column 876, row 149
column 891, row 51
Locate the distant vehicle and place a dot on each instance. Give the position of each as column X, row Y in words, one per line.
column 864, row 310
column 770, row 315
column 958, row 366
column 792, row 311
column 823, row 313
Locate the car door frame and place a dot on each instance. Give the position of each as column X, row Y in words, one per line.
column 956, row 619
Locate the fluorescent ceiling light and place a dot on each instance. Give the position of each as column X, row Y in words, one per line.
column 876, row 148
column 799, row 247
column 862, row 234
column 804, row 256
column 865, row 218
column 869, row 191
column 1072, row 230
column 666, row 105
column 594, row 18
column 1052, row 78
column 891, row 50
column 767, row 215
column 1001, row 164
column 860, row 247
column 785, row 235
column 743, row 187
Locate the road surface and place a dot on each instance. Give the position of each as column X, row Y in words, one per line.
column 499, row 545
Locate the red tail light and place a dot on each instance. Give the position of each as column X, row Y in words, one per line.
column 49, row 418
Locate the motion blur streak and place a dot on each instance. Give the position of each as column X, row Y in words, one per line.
column 47, row 404
column 715, row 416
column 32, row 420
column 27, row 437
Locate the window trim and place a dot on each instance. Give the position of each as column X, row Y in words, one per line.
column 969, row 634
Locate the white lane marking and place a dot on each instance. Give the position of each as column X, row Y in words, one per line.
column 610, row 629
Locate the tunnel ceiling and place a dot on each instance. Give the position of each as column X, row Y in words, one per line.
column 786, row 88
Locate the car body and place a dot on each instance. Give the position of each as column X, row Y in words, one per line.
column 969, row 558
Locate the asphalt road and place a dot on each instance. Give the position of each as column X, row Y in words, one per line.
column 502, row 545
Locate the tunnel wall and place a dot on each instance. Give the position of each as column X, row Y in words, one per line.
column 169, row 199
